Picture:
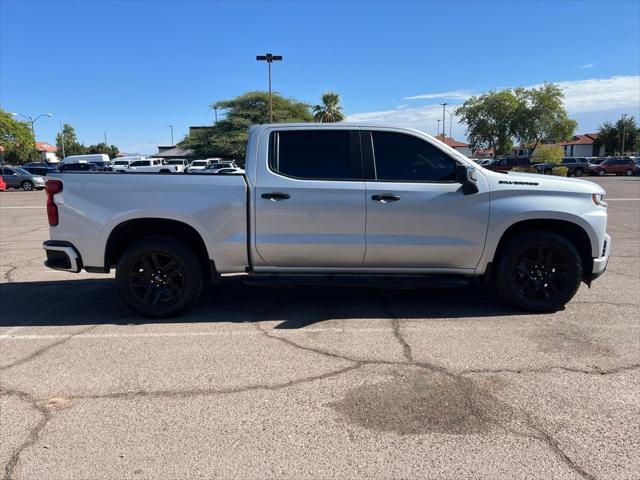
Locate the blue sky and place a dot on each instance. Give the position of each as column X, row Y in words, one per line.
column 131, row 68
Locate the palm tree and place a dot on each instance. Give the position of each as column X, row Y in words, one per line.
column 330, row 111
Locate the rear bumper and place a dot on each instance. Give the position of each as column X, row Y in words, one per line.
column 62, row 256
column 600, row 263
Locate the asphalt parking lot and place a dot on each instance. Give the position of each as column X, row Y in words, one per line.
column 322, row 382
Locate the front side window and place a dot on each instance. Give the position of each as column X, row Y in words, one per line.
column 316, row 154
column 404, row 158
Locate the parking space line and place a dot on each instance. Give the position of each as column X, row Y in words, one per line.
column 8, row 336
column 623, row 199
column 22, row 206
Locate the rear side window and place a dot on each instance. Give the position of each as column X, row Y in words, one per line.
column 316, row 154
column 404, row 158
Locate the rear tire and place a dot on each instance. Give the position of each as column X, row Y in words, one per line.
column 579, row 172
column 539, row 271
column 629, row 173
column 159, row 277
column 601, row 173
column 27, row 185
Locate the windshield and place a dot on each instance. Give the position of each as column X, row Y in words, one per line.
column 121, row 162
column 198, row 163
column 21, row 171
column 175, row 162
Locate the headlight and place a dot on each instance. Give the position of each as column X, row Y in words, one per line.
column 598, row 199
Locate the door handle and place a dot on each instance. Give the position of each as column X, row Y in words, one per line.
column 275, row 196
column 386, row 197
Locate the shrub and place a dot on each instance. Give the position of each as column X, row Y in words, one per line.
column 560, row 171
column 524, row 170
column 547, row 154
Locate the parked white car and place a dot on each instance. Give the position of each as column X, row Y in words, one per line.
column 151, row 165
column 180, row 163
column 121, row 164
column 198, row 165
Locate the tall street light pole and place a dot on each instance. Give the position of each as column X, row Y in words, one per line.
column 62, row 137
column 32, row 120
column 438, row 130
column 624, row 131
column 443, row 124
column 171, row 127
column 450, row 120
column 215, row 111
column 269, row 58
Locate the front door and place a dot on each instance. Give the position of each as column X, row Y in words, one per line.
column 310, row 200
column 417, row 214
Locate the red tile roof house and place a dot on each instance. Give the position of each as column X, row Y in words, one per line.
column 461, row 147
column 586, row 145
column 47, row 152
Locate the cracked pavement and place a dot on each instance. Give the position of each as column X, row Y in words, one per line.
column 316, row 382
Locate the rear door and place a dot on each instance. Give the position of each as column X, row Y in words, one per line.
column 310, row 200
column 417, row 214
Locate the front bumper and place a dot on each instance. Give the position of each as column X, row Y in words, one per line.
column 62, row 256
column 600, row 263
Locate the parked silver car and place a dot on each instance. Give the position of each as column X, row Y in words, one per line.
column 16, row 177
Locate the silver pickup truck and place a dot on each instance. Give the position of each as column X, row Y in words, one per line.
column 331, row 200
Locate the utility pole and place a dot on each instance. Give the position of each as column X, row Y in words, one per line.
column 443, row 124
column 171, row 127
column 32, row 120
column 215, row 111
column 62, row 136
column 624, row 131
column 438, row 130
column 105, row 139
column 269, row 58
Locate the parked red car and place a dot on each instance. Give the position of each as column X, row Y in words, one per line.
column 3, row 186
column 618, row 166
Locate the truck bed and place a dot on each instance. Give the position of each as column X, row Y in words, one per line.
column 91, row 205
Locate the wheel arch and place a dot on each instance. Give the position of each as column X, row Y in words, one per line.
column 572, row 231
column 129, row 231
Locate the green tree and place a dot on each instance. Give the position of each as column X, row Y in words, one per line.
column 71, row 144
column 541, row 116
column 330, row 111
column 611, row 134
column 228, row 137
column 490, row 120
column 102, row 147
column 547, row 154
column 16, row 138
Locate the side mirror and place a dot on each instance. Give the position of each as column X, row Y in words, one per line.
column 467, row 177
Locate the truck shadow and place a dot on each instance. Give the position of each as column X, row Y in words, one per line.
column 95, row 301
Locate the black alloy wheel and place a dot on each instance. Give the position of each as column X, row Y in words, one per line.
column 157, row 279
column 160, row 276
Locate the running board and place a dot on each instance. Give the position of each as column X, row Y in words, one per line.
column 343, row 280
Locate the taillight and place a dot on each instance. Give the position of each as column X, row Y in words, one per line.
column 52, row 187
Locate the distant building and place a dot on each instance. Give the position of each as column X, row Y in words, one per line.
column 483, row 153
column 47, row 152
column 174, row 151
column 586, row 145
column 461, row 147
column 170, row 152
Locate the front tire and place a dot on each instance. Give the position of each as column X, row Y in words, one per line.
column 27, row 186
column 539, row 271
column 579, row 172
column 159, row 277
column 601, row 173
column 629, row 173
